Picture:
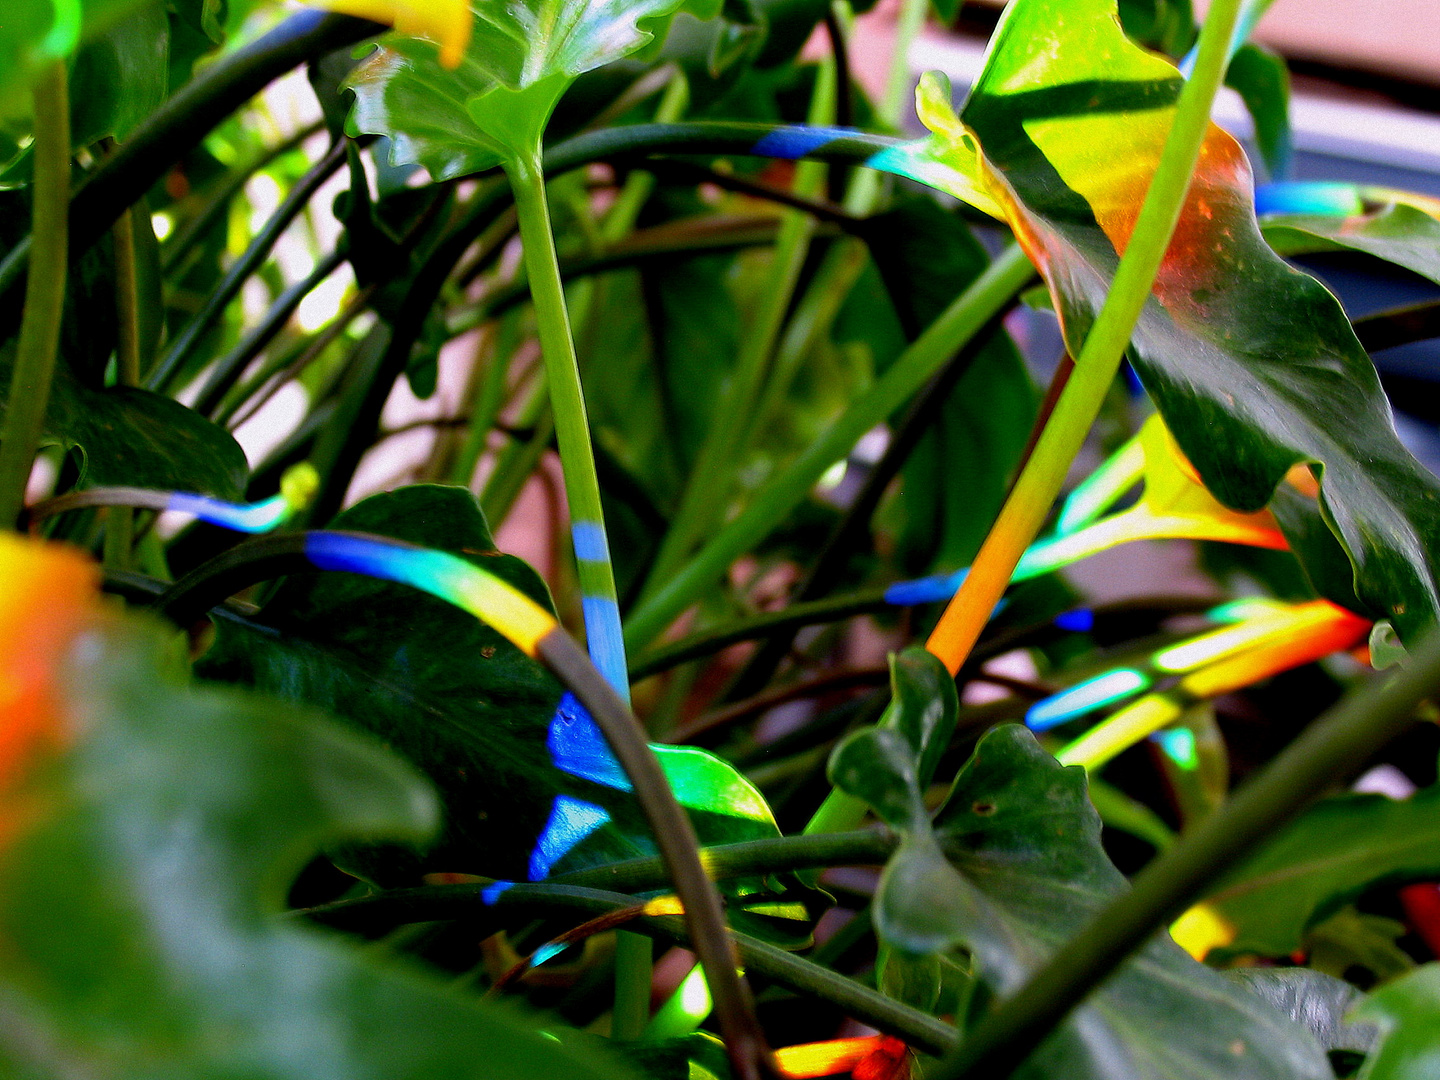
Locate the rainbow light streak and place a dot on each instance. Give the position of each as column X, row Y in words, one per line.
column 578, row 747
column 1098, row 491
column 491, row 893
column 926, row 590
column 1179, row 746
column 1085, row 697
column 826, row 1058
column 571, row 821
column 1246, row 607
column 1122, row 731
column 1309, row 197
column 244, row 517
column 1218, row 644
column 440, row 574
column 790, row 143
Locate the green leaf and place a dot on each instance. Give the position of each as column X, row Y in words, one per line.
column 463, row 705
column 1337, row 850
column 1024, row 871
column 890, row 765
column 1395, row 232
column 142, row 873
column 1317, row 1001
column 120, row 77
column 1407, row 1012
column 494, row 106
column 1253, row 365
column 129, row 436
column 1351, row 943
column 1262, row 80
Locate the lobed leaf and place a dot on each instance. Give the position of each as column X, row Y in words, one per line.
column 1253, row 365
column 144, row 865
column 1332, row 854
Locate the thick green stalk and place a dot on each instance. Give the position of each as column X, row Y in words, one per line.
column 1034, row 493
column 1002, row 280
column 722, row 453
column 572, row 429
column 44, row 293
column 1334, row 748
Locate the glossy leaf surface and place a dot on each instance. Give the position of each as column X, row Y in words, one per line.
column 1253, row 365
column 130, row 436
column 1331, row 855
column 1023, row 871
column 1319, row 1002
column 469, row 709
column 146, row 854
column 1394, row 231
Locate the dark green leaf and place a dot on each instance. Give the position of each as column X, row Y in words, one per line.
column 1407, row 1012
column 130, row 436
column 1025, row 872
column 120, row 77
column 1262, row 80
column 1336, row 851
column 139, row 898
column 1395, row 232
column 1356, row 944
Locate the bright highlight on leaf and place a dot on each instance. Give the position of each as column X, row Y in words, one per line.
column 1201, row 929
column 448, row 23
column 1254, row 366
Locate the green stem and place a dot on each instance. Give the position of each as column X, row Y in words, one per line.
column 120, row 520
column 572, row 429
column 44, row 294
column 1003, row 279
column 722, row 453
column 489, row 398
column 634, row 968
column 1331, row 750
column 1034, row 493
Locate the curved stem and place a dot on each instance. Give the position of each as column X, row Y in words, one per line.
column 1334, row 748
column 1039, row 483
column 45, row 295
column 1004, row 278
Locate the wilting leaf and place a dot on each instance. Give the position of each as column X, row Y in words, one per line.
column 1253, row 365
column 145, row 855
column 1023, row 871
column 1332, row 854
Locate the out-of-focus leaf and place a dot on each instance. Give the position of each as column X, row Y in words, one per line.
column 130, row 436
column 35, row 32
column 1407, row 1012
column 1337, row 850
column 146, row 852
column 469, row 709
column 1262, row 80
column 957, row 476
column 1351, row 943
column 494, row 105
column 1167, row 26
column 1253, row 365
column 1393, row 231
column 1317, row 1001
column 1026, row 871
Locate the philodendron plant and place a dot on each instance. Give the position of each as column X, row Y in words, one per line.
column 301, row 775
